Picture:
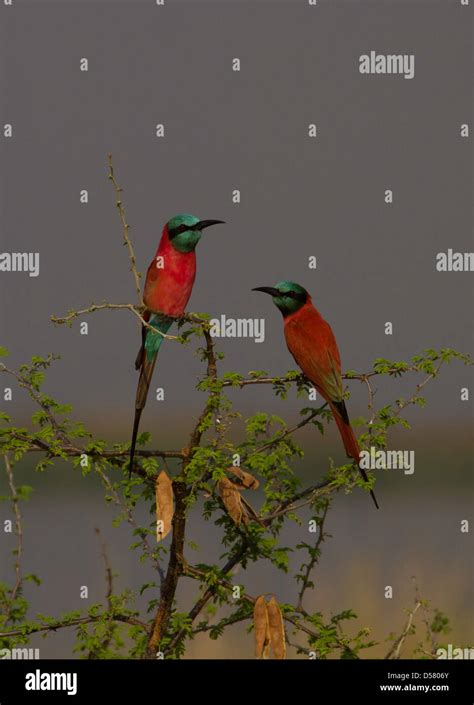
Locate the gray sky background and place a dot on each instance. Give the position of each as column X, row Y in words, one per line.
column 226, row 130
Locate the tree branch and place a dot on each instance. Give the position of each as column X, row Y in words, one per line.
column 109, row 579
column 398, row 643
column 38, row 445
column 208, row 594
column 181, row 493
column 131, row 519
column 305, row 583
column 136, row 310
column 54, row 626
column 285, row 434
column 299, row 377
column 126, row 228
column 198, row 574
column 170, row 583
column 39, row 400
column 109, row 576
column 18, row 531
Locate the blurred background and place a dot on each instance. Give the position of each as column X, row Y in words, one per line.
column 300, row 197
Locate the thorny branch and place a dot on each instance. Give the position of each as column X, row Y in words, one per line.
column 131, row 520
column 136, row 310
column 109, row 579
column 288, row 432
column 18, row 531
column 412, row 400
column 299, row 378
column 305, row 582
column 209, row 593
column 39, row 400
column 109, row 576
column 126, row 229
column 61, row 624
column 394, row 652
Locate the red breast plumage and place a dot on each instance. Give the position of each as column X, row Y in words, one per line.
column 169, row 279
column 168, row 286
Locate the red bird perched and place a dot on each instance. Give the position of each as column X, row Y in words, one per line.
column 312, row 343
column 168, row 286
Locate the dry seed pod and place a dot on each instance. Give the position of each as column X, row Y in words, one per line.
column 276, row 629
column 249, row 482
column 231, row 499
column 260, row 627
column 164, row 505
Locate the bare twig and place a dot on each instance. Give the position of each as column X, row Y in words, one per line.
column 126, row 228
column 394, row 652
column 209, row 352
column 136, row 310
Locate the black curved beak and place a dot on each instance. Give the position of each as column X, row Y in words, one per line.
column 268, row 290
column 206, row 224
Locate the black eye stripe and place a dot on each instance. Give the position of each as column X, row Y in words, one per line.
column 180, row 229
column 294, row 295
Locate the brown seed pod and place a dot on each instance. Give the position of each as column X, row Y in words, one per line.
column 231, row 500
column 276, row 629
column 164, row 505
column 260, row 627
column 247, row 481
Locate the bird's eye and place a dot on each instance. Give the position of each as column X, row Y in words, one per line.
column 183, row 228
column 296, row 296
